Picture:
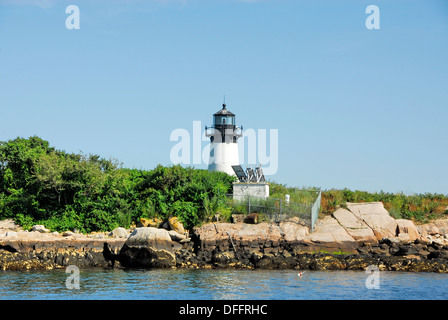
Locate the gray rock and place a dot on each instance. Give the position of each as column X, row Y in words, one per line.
column 176, row 236
column 119, row 233
column 149, row 248
column 40, row 228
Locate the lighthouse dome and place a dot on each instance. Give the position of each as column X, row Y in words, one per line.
column 224, row 117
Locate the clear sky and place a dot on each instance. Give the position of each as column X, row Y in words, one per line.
column 356, row 108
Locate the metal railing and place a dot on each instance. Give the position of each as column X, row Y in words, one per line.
column 277, row 210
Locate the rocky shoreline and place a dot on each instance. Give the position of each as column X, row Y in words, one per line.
column 386, row 255
column 353, row 238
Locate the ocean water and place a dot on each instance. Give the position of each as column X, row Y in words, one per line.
column 183, row 284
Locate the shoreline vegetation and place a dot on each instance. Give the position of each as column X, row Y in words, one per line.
column 64, row 208
column 44, row 186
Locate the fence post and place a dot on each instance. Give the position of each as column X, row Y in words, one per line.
column 249, row 206
column 315, row 210
column 280, row 207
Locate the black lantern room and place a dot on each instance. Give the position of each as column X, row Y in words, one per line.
column 224, row 128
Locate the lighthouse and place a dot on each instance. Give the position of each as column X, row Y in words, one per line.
column 223, row 135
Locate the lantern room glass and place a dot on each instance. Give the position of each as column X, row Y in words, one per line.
column 223, row 120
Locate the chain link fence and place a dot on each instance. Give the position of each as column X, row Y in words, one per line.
column 277, row 210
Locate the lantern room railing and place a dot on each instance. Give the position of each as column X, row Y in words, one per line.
column 224, row 130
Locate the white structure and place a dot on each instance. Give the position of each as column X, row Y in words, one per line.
column 224, row 146
column 242, row 191
column 250, row 185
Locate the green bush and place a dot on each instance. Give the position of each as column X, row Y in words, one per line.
column 42, row 185
column 187, row 212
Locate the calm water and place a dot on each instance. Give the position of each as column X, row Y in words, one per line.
column 221, row 284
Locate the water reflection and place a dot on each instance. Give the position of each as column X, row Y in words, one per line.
column 220, row 285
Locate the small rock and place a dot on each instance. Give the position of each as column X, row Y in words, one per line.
column 40, row 228
column 175, row 236
column 67, row 233
column 119, row 233
column 165, row 225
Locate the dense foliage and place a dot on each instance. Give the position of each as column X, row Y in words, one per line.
column 42, row 185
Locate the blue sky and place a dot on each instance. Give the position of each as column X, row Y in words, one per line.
column 356, row 108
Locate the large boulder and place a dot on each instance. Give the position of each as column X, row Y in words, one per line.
column 407, row 230
column 149, row 248
column 376, row 217
column 330, row 236
column 354, row 226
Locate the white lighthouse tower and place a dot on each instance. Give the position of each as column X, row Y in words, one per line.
column 224, row 146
